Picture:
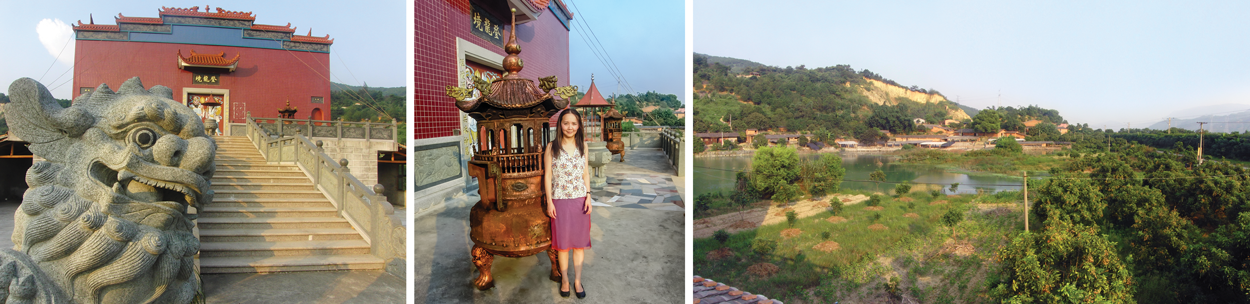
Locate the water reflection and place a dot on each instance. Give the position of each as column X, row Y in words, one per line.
column 717, row 174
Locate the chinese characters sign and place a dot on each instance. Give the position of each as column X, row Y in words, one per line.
column 487, row 27
column 211, row 79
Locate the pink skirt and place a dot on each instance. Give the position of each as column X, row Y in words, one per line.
column 571, row 227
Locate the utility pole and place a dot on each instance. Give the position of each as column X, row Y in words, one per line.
column 1200, row 131
column 1104, row 133
column 1169, row 125
column 1026, row 201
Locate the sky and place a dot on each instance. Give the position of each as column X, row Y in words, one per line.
column 368, row 35
column 645, row 39
column 1112, row 63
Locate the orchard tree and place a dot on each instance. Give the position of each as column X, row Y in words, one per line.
column 1071, row 200
column 1062, row 263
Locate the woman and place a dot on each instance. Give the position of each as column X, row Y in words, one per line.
column 567, row 184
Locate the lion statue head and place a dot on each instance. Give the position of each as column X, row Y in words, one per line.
column 105, row 219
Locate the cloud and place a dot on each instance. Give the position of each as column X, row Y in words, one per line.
column 55, row 37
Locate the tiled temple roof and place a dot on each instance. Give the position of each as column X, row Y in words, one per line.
column 710, row 292
column 274, row 28
column 96, row 27
column 145, row 20
column 194, row 11
column 310, row 39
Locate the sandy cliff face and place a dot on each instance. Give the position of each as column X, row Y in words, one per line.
column 879, row 92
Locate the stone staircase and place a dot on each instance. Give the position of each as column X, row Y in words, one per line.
column 271, row 218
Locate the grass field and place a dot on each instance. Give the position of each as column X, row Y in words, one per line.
column 887, row 253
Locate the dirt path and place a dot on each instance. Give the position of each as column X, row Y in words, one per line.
column 753, row 218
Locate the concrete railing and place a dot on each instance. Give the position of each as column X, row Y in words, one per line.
column 672, row 142
column 636, row 140
column 328, row 128
column 363, row 207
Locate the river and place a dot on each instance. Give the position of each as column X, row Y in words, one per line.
column 713, row 174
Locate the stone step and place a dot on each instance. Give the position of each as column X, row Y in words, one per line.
column 272, row 223
column 246, row 194
column 278, row 235
column 283, row 264
column 237, row 159
column 248, row 172
column 261, row 179
column 271, row 249
column 215, row 211
column 259, row 165
column 307, row 186
column 270, row 203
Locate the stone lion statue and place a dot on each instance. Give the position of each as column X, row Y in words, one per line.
column 105, row 218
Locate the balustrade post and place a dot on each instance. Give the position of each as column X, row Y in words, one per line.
column 344, row 181
column 395, row 131
column 317, row 164
column 340, row 128
column 368, row 129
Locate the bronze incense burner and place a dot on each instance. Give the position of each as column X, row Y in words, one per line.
column 612, row 132
column 512, row 117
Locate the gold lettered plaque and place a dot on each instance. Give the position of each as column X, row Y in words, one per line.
column 209, row 79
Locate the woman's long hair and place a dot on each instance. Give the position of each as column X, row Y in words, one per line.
column 578, row 138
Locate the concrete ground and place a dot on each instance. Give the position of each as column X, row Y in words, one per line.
column 290, row 287
column 637, row 255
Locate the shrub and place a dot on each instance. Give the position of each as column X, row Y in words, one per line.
column 721, row 236
column 835, row 206
column 911, row 205
column 763, row 247
column 873, row 201
column 791, row 217
column 954, row 187
column 935, row 193
column 909, row 147
column 902, row 189
column 824, row 235
column 876, row 217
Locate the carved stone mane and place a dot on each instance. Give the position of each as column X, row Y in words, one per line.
column 105, row 219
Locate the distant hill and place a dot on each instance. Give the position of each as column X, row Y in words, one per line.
column 735, row 65
column 1218, row 123
column 970, row 110
column 396, row 91
column 735, row 94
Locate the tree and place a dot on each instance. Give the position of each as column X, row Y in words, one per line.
column 1070, row 200
column 721, row 236
column 891, row 118
column 775, row 172
column 869, row 136
column 954, row 188
column 1062, row 263
column 877, row 176
column 987, row 121
column 759, row 141
column 1043, row 131
column 951, row 218
column 833, row 172
column 802, row 141
column 1007, row 145
column 699, row 146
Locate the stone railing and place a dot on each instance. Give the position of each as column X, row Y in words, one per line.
column 364, row 207
column 328, row 128
column 672, row 142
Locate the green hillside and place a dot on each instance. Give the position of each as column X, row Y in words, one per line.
column 395, row 91
column 735, row 65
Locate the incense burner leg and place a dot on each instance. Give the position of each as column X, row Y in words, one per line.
column 555, row 265
column 483, row 260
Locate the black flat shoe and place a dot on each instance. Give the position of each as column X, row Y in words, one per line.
column 564, row 294
column 582, row 294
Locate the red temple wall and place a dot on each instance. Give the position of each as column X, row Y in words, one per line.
column 264, row 80
column 544, row 50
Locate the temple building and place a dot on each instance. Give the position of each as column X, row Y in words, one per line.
column 219, row 62
column 455, row 41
